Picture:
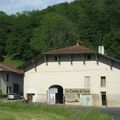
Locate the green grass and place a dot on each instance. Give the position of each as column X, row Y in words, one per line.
column 90, row 114
column 20, row 111
column 14, row 63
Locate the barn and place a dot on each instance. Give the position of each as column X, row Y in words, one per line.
column 73, row 75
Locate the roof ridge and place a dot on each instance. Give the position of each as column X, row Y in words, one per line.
column 71, row 49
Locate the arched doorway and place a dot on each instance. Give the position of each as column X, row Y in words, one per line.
column 55, row 94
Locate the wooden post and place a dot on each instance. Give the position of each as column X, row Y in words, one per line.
column 71, row 60
column 34, row 64
column 83, row 58
column 111, row 64
column 46, row 60
column 97, row 58
column 58, row 59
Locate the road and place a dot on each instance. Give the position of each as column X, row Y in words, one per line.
column 115, row 112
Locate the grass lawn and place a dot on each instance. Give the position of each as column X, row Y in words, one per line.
column 14, row 63
column 20, row 111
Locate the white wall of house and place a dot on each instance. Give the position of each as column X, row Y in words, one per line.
column 13, row 78
column 72, row 76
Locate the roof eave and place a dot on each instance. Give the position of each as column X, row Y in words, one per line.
column 111, row 58
column 29, row 62
column 65, row 53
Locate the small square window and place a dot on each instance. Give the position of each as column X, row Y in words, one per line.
column 103, row 81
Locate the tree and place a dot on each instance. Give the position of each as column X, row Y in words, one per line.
column 17, row 43
column 4, row 31
column 55, row 31
column 112, row 43
column 90, row 22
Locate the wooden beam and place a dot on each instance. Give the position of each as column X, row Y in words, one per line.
column 97, row 58
column 111, row 64
column 34, row 64
column 71, row 60
column 83, row 58
column 46, row 60
column 58, row 59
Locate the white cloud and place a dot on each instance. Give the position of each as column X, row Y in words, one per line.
column 13, row 6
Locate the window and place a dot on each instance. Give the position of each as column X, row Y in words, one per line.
column 7, row 77
column 55, row 58
column 16, row 88
column 8, row 89
column 87, row 81
column 103, row 81
column 88, row 57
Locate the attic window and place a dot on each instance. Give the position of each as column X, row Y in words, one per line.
column 88, row 57
column 55, row 58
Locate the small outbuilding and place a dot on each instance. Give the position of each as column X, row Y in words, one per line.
column 73, row 75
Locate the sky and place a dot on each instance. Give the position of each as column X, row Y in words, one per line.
column 13, row 6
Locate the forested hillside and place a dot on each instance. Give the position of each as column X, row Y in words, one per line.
column 89, row 22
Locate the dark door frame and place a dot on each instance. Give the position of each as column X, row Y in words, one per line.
column 104, row 98
column 59, row 94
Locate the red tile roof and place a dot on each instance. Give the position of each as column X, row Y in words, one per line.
column 71, row 50
column 7, row 68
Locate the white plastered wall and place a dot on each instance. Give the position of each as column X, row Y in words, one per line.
column 71, row 76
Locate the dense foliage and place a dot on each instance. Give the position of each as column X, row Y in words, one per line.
column 90, row 22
